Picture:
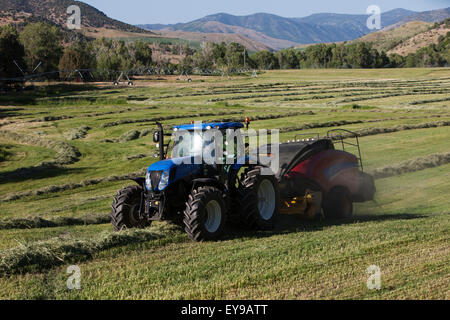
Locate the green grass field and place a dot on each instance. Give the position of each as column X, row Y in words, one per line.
column 64, row 153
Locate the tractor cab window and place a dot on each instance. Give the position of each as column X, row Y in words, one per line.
column 209, row 144
column 192, row 143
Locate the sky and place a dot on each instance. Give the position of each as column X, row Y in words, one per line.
column 174, row 11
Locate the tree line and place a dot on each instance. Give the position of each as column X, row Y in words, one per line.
column 44, row 46
column 41, row 48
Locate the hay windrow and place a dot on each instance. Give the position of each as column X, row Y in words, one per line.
column 71, row 186
column 414, row 165
column 166, row 118
column 38, row 222
column 78, row 133
column 65, row 153
column 47, row 254
column 375, row 131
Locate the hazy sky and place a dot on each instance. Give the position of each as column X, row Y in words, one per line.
column 173, row 11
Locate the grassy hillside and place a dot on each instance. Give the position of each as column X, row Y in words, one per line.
column 55, row 216
column 389, row 39
column 55, row 11
column 422, row 39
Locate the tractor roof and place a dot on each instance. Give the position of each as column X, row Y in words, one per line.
column 212, row 125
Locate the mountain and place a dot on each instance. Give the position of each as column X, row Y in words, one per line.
column 223, row 32
column 55, row 11
column 426, row 16
column 317, row 28
column 200, row 37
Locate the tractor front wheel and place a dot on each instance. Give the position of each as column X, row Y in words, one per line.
column 125, row 209
column 205, row 214
column 338, row 204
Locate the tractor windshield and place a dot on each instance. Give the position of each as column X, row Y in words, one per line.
column 208, row 144
column 191, row 144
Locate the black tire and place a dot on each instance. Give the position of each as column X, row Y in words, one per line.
column 125, row 209
column 250, row 214
column 201, row 223
column 338, row 204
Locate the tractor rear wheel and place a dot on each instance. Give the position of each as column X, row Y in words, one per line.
column 338, row 204
column 205, row 214
column 125, row 209
column 259, row 199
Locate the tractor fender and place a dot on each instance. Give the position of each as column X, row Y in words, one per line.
column 208, row 181
column 140, row 182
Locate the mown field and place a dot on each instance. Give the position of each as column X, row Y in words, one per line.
column 66, row 150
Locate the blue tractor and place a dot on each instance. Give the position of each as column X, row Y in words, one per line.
column 199, row 195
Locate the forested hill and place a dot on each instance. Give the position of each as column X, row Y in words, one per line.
column 56, row 11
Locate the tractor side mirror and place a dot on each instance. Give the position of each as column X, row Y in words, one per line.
column 156, row 137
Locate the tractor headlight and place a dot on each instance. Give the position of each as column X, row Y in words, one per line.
column 148, row 181
column 164, row 182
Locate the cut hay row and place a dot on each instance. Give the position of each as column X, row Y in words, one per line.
column 413, row 103
column 417, row 164
column 296, row 93
column 174, row 117
column 78, row 133
column 332, row 124
column 267, row 117
column 71, row 186
column 42, row 255
column 89, row 115
column 38, row 222
column 129, row 136
column 391, row 95
column 386, row 94
column 65, row 153
column 375, row 131
column 290, row 87
column 298, row 89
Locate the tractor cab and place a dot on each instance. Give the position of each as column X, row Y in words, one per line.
column 196, row 139
column 205, row 139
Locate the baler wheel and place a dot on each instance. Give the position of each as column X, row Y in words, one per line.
column 338, row 204
column 125, row 209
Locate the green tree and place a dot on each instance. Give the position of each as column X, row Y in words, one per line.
column 79, row 55
column 265, row 60
column 396, row 60
column 141, row 54
column 287, row 59
column 237, row 56
column 42, row 43
column 10, row 49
